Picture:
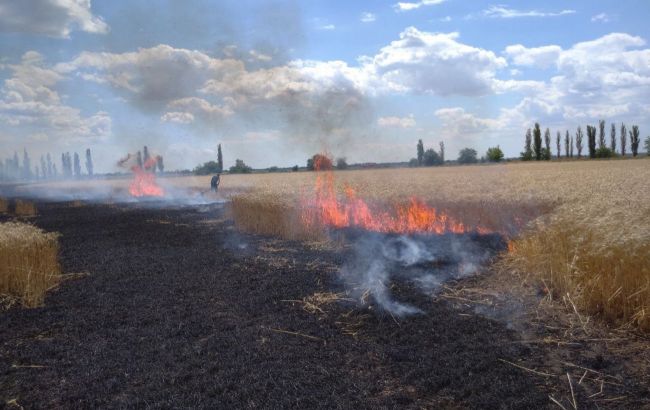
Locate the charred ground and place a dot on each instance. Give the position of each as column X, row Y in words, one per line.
column 179, row 310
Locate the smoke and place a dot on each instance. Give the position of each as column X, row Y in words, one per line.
column 378, row 262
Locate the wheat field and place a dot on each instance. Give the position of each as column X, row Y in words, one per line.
column 28, row 262
column 582, row 228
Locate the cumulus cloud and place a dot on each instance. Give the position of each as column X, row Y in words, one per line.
column 397, row 122
column 178, row 117
column 456, row 121
column 29, row 102
column 601, row 78
column 54, row 18
column 407, row 6
column 540, row 57
column 436, row 63
column 501, row 11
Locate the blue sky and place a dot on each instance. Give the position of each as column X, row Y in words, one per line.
column 275, row 82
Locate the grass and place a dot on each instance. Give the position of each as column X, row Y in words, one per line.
column 28, row 262
column 580, row 228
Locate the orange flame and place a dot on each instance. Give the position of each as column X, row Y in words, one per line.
column 325, row 208
column 144, row 181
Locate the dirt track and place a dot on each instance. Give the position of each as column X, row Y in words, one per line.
column 178, row 310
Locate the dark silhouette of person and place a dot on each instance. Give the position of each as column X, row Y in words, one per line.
column 214, row 182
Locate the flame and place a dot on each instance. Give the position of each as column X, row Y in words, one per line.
column 325, row 208
column 144, row 181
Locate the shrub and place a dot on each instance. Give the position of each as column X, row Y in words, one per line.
column 28, row 262
column 604, row 152
column 494, row 154
column 240, row 168
column 210, row 167
column 432, row 158
column 467, row 156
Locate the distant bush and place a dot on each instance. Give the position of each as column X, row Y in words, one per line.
column 467, row 156
column 240, row 168
column 319, row 162
column 210, row 167
column 494, row 154
column 413, row 162
column 604, row 152
column 341, row 163
column 294, row 168
column 431, row 158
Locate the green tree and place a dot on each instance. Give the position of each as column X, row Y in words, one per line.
column 210, row 167
column 494, row 154
column 612, row 138
column 294, row 168
column 442, row 151
column 219, row 158
column 601, row 134
column 646, row 143
column 547, row 144
column 239, row 168
column 579, row 145
column 467, row 156
column 413, row 162
column 527, row 155
column 341, row 163
column 77, row 166
column 89, row 162
column 571, row 148
column 161, row 164
column 623, row 139
column 634, row 140
column 431, row 158
column 558, row 142
column 566, row 144
column 591, row 139
column 537, row 142
column 420, row 147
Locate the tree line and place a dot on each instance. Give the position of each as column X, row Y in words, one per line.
column 597, row 145
column 13, row 169
column 431, row 157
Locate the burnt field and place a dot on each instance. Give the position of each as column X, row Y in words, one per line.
column 172, row 307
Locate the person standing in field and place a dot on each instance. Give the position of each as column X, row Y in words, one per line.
column 214, row 182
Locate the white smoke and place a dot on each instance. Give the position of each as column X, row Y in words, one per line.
column 425, row 262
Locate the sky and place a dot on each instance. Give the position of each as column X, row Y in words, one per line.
column 276, row 81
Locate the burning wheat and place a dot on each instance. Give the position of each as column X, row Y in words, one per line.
column 584, row 225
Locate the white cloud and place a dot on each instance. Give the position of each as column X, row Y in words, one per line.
column 30, row 103
column 367, row 17
column 54, row 18
column 601, row 78
column 436, row 63
column 407, row 6
column 602, row 17
column 327, row 27
column 178, row 117
column 397, row 122
column 446, row 19
column 540, row 57
column 501, row 11
column 457, row 122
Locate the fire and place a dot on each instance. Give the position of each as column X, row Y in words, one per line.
column 144, row 181
column 325, row 208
